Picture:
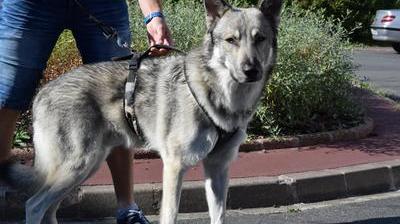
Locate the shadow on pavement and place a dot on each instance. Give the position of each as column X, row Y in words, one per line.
column 386, row 220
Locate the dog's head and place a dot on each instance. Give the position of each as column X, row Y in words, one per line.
column 242, row 41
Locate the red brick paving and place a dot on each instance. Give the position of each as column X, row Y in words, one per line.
column 384, row 144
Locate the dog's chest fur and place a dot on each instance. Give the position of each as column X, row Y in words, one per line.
column 167, row 112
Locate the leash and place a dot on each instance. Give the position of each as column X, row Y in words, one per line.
column 108, row 31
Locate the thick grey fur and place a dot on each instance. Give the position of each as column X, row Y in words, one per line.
column 79, row 118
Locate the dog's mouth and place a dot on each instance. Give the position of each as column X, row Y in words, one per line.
column 247, row 79
column 248, row 76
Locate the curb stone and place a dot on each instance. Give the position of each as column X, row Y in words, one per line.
column 358, row 132
column 256, row 192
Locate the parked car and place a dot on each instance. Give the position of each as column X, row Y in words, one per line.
column 386, row 27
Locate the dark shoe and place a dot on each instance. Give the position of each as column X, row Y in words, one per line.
column 131, row 216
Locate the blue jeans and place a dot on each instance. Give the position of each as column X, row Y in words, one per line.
column 29, row 30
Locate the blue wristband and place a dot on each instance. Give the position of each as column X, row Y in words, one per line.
column 151, row 16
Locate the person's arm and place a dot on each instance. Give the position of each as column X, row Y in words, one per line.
column 149, row 6
column 157, row 29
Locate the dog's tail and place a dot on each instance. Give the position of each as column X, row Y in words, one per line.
column 21, row 177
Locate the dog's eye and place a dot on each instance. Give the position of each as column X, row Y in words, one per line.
column 231, row 40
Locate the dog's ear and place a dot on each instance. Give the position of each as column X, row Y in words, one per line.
column 272, row 10
column 214, row 11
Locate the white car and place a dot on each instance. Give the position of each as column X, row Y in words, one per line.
column 386, row 27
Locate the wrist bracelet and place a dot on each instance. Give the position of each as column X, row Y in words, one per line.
column 151, row 16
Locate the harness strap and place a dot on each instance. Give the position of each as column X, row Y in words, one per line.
column 130, row 86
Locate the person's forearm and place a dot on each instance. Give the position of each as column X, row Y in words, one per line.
column 148, row 6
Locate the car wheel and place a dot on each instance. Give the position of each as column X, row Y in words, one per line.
column 396, row 47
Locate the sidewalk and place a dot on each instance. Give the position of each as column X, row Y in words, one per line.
column 264, row 178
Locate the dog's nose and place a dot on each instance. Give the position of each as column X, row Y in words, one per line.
column 251, row 72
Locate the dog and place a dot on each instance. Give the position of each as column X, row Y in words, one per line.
column 190, row 108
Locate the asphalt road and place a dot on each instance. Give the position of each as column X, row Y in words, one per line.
column 379, row 66
column 372, row 209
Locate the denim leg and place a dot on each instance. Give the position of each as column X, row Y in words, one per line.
column 28, row 32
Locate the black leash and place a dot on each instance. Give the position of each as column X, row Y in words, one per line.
column 109, row 32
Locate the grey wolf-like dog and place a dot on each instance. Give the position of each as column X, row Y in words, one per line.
column 184, row 105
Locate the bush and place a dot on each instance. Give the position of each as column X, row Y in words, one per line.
column 356, row 16
column 311, row 88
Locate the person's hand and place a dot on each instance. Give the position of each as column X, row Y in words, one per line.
column 158, row 33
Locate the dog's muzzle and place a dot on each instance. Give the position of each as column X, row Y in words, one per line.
column 252, row 72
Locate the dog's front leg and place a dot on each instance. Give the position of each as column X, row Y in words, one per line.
column 216, row 184
column 216, row 171
column 172, row 183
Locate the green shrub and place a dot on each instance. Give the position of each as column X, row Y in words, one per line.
column 311, row 87
column 356, row 16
